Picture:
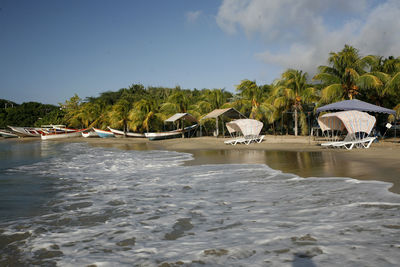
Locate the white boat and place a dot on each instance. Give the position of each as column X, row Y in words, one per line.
column 104, row 133
column 58, row 135
column 171, row 134
column 7, row 134
column 26, row 131
column 119, row 133
column 90, row 134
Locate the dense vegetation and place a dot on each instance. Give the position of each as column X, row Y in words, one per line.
column 284, row 106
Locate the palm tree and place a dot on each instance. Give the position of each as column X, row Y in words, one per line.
column 292, row 92
column 251, row 96
column 119, row 115
column 145, row 115
column 388, row 72
column 345, row 75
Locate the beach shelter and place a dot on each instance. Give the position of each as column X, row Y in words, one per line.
column 182, row 117
column 358, row 124
column 219, row 113
column 355, row 104
column 248, row 127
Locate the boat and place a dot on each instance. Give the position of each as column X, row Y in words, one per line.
column 119, row 133
column 26, row 131
column 172, row 134
column 104, row 133
column 59, row 128
column 7, row 134
column 89, row 134
column 61, row 135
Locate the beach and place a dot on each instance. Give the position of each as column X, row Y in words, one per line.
column 301, row 155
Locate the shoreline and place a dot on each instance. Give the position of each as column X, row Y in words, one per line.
column 300, row 155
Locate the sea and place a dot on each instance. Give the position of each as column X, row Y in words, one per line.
column 72, row 204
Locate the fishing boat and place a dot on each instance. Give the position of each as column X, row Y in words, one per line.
column 59, row 128
column 104, row 133
column 119, row 133
column 7, row 134
column 89, row 134
column 26, row 131
column 172, row 134
column 56, row 134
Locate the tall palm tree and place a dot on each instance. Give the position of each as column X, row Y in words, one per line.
column 345, row 75
column 119, row 115
column 292, row 92
column 145, row 115
column 388, row 72
column 252, row 96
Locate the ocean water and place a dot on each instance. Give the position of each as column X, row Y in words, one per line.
column 76, row 205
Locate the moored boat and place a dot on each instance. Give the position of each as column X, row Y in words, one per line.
column 7, row 134
column 26, row 131
column 89, row 134
column 171, row 134
column 119, row 133
column 104, row 133
column 61, row 135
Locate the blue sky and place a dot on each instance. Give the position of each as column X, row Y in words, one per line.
column 50, row 50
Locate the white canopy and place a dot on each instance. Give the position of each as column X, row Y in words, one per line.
column 353, row 121
column 245, row 126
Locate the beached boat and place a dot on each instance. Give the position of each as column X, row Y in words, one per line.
column 7, row 134
column 172, row 134
column 104, row 133
column 119, row 133
column 61, row 135
column 89, row 134
column 26, row 131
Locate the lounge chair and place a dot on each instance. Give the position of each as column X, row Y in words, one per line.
column 359, row 143
column 245, row 140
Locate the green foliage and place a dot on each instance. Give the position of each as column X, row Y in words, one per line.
column 26, row 114
column 279, row 106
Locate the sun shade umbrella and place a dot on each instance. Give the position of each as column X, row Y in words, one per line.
column 353, row 121
column 245, row 126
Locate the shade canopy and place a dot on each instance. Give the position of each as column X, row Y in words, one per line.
column 181, row 116
column 355, row 104
column 245, row 126
column 229, row 112
column 353, row 121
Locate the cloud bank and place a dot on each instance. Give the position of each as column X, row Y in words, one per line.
column 301, row 34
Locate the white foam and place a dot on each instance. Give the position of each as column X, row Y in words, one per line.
column 145, row 207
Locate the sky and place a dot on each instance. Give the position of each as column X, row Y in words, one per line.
column 53, row 49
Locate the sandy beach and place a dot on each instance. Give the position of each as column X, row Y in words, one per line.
column 299, row 155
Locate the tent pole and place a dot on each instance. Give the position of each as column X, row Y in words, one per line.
column 216, row 127
column 223, row 128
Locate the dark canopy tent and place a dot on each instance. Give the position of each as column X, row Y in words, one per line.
column 355, row 104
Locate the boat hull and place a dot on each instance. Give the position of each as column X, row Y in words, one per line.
column 172, row 134
column 119, row 133
column 90, row 134
column 55, row 136
column 103, row 133
column 163, row 136
column 26, row 131
column 7, row 134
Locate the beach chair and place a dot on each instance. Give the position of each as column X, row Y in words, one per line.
column 240, row 140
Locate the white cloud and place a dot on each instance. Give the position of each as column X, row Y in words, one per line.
column 300, row 34
column 192, row 16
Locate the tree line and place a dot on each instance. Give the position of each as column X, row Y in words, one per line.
column 285, row 106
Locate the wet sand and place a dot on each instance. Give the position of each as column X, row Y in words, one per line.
column 299, row 155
